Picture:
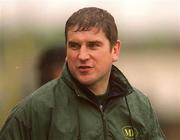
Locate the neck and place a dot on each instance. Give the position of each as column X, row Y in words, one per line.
column 98, row 91
column 100, row 87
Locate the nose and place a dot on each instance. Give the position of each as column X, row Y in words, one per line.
column 83, row 53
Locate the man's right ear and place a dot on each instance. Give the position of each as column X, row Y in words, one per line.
column 116, row 51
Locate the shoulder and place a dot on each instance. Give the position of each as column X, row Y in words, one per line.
column 44, row 98
column 40, row 100
column 139, row 102
column 138, row 97
column 45, row 94
column 30, row 112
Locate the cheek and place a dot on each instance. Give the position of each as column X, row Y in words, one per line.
column 71, row 56
column 106, row 56
column 71, row 61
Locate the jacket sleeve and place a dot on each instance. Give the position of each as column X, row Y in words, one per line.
column 18, row 124
column 14, row 129
column 155, row 131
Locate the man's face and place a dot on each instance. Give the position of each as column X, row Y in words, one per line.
column 89, row 56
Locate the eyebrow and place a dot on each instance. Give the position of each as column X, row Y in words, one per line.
column 96, row 42
column 72, row 42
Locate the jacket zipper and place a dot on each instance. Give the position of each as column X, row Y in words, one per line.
column 101, row 109
column 103, row 120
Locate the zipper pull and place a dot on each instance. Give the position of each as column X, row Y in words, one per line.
column 101, row 108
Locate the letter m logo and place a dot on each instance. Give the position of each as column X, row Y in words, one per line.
column 129, row 132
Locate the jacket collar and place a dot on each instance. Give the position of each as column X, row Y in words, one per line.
column 119, row 85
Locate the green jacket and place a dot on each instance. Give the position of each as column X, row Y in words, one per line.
column 60, row 110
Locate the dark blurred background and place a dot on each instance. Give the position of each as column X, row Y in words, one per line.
column 150, row 35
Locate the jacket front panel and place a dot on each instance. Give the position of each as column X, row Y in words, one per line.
column 76, row 117
column 109, row 124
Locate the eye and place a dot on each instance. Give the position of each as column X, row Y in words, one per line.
column 73, row 45
column 93, row 45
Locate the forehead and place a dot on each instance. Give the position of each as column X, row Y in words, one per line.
column 74, row 32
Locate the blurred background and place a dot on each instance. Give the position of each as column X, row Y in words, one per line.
column 150, row 57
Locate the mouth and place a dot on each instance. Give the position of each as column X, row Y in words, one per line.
column 84, row 69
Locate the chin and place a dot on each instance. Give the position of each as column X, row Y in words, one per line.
column 85, row 82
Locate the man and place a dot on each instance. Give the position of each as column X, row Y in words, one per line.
column 92, row 100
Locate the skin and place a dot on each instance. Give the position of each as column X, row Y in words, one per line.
column 90, row 58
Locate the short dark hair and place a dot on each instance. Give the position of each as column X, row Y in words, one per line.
column 88, row 17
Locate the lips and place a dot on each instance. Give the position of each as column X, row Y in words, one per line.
column 84, row 68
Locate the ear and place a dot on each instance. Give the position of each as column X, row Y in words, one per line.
column 116, row 51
